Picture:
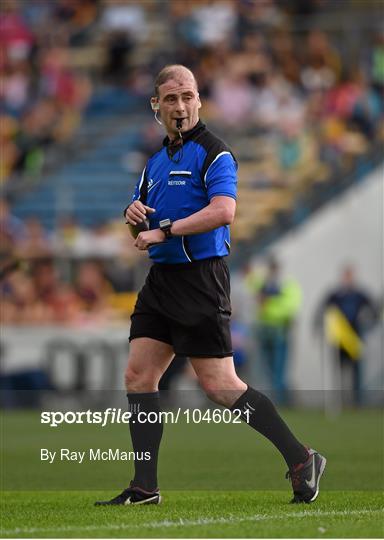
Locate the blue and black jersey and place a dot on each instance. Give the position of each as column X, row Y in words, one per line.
column 179, row 181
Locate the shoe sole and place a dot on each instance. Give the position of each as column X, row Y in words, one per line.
column 151, row 500
column 321, row 471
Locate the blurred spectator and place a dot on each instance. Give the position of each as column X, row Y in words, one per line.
column 201, row 24
column 342, row 98
column 368, row 108
column 119, row 47
column 119, row 15
column 307, row 7
column 78, row 16
column 322, row 64
column 9, row 154
column 258, row 15
column 349, row 313
column 16, row 39
column 37, row 125
column 373, row 62
column 69, row 238
column 213, row 23
column 20, row 303
column 124, row 25
column 106, row 242
column 11, row 227
column 232, row 96
column 297, row 157
column 285, row 56
column 15, row 87
column 120, row 272
column 34, row 294
column 92, row 289
column 278, row 300
column 57, row 81
column 59, row 299
column 273, row 96
column 36, row 242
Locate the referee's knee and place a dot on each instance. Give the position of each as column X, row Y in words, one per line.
column 137, row 381
column 225, row 395
column 215, row 395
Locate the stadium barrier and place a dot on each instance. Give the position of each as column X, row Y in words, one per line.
column 69, row 362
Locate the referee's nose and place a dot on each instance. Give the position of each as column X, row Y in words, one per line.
column 180, row 106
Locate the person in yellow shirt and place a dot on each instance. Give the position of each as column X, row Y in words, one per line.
column 278, row 301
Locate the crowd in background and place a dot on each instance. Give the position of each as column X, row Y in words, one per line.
column 307, row 99
column 39, row 295
column 42, row 96
column 71, row 276
column 311, row 93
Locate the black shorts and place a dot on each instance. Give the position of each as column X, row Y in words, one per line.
column 187, row 306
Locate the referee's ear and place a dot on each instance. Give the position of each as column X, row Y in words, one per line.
column 155, row 105
column 198, row 101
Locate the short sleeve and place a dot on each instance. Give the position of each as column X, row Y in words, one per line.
column 137, row 194
column 221, row 176
column 139, row 189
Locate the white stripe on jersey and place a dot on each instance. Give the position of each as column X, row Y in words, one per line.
column 216, row 158
column 141, row 182
column 186, row 254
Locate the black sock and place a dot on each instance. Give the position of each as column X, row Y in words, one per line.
column 145, row 437
column 264, row 418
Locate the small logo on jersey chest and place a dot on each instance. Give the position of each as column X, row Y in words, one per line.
column 152, row 183
column 177, row 182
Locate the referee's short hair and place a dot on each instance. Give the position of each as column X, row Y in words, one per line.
column 173, row 71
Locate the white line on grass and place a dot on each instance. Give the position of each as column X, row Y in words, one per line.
column 230, row 520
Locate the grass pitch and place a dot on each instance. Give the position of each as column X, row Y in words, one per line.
column 193, row 515
column 217, row 481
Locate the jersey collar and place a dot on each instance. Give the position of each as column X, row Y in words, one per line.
column 187, row 135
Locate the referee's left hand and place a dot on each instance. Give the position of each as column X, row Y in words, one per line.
column 146, row 239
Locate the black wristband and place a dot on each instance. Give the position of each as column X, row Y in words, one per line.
column 166, row 226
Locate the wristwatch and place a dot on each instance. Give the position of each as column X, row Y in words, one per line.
column 165, row 226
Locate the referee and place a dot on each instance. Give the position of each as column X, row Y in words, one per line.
column 181, row 211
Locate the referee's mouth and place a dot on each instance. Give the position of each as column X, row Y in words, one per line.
column 181, row 119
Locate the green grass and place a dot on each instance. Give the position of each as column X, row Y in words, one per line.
column 193, row 514
column 216, row 480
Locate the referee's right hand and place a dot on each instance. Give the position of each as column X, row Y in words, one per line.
column 137, row 212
